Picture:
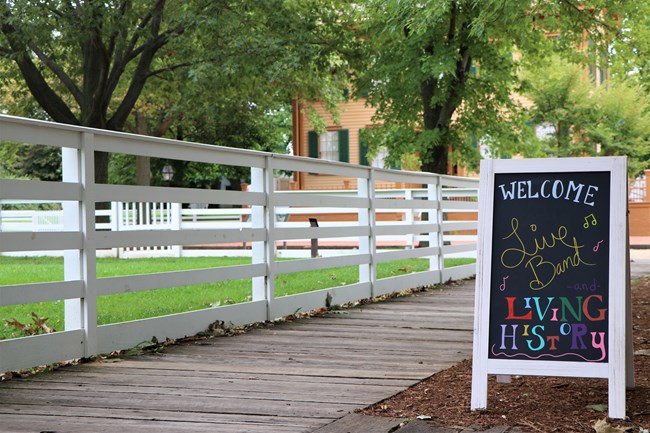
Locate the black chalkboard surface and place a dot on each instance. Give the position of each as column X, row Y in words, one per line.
column 550, row 267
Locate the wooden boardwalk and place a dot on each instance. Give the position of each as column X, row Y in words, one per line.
column 290, row 377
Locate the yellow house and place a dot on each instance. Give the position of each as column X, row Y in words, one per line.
column 339, row 142
column 342, row 141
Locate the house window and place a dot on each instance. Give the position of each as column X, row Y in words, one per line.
column 330, row 145
column 379, row 161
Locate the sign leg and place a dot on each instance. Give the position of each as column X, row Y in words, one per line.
column 479, row 376
column 629, row 341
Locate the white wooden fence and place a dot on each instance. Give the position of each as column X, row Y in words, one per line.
column 171, row 216
column 80, row 239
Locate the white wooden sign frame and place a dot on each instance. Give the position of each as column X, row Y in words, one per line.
column 619, row 368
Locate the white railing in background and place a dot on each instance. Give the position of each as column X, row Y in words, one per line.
column 171, row 216
column 425, row 213
column 637, row 190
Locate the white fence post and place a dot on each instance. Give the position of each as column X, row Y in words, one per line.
column 257, row 221
column 72, row 261
column 436, row 239
column 409, row 218
column 176, row 218
column 368, row 244
column 115, row 217
column 264, row 251
column 82, row 313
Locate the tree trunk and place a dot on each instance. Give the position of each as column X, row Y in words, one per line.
column 142, row 170
column 433, row 118
column 101, row 167
column 142, row 163
column 439, row 160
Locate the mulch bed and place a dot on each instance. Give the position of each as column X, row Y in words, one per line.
column 534, row 404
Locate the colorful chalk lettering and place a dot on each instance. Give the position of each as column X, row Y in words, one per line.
column 550, row 242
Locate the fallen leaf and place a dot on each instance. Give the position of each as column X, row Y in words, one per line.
column 39, row 323
column 597, row 407
column 602, row 426
column 19, row 326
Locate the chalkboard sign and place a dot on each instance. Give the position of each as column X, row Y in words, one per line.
column 551, row 279
column 550, row 266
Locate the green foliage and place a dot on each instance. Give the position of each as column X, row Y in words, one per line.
column 629, row 54
column 622, row 124
column 561, row 100
column 443, row 73
column 589, row 120
column 29, row 161
column 261, row 56
column 220, row 72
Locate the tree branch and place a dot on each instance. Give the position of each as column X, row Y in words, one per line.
column 451, row 32
column 61, row 75
column 590, row 17
column 51, row 102
column 171, row 68
column 119, row 62
column 139, row 78
column 154, row 43
column 158, row 7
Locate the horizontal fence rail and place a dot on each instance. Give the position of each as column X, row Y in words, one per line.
column 362, row 228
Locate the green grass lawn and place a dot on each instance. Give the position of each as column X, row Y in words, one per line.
column 132, row 306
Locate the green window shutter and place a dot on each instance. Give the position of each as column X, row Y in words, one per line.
column 363, row 149
column 312, row 141
column 344, row 145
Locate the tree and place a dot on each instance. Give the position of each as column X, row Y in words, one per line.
column 562, row 105
column 86, row 63
column 629, row 55
column 585, row 119
column 443, row 73
column 253, row 58
column 622, row 126
column 92, row 63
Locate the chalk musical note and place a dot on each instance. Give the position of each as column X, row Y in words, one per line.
column 593, row 221
column 597, row 245
column 502, row 286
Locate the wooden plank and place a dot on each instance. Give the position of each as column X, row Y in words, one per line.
column 333, row 361
column 422, row 323
column 316, row 391
column 84, row 420
column 189, row 404
column 355, row 422
column 293, row 376
column 287, row 345
column 283, row 369
column 96, row 374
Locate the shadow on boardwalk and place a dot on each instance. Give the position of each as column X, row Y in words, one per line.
column 295, row 376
